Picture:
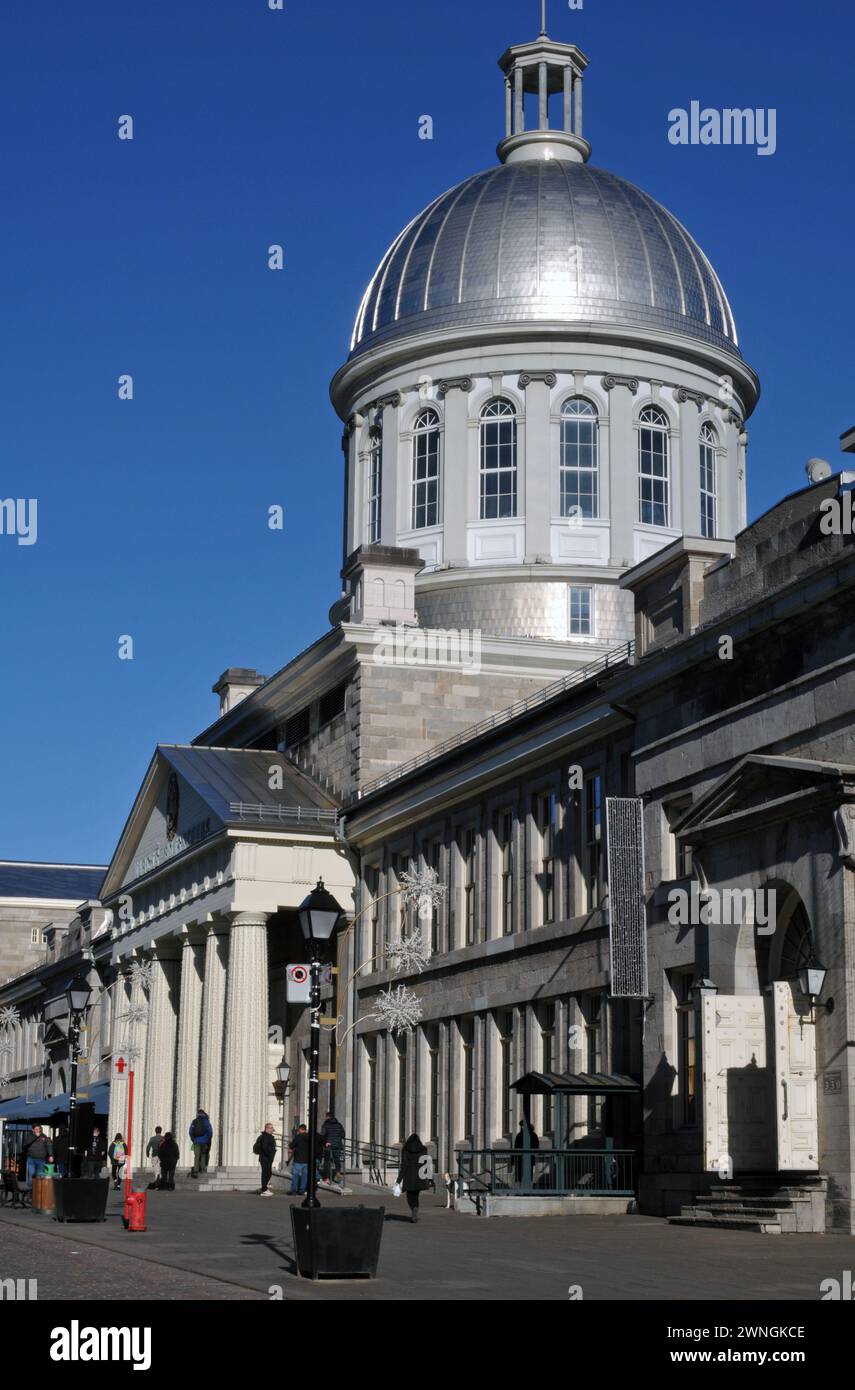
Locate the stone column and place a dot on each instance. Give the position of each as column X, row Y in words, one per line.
column 187, row 1100
column 568, row 100
column 117, row 1118
column 509, row 108
column 577, row 124
column 244, row 1098
column 686, row 470
column 543, row 97
column 159, row 1096
column 137, row 1034
column 519, row 104
column 213, row 1022
column 538, row 465
column 623, row 498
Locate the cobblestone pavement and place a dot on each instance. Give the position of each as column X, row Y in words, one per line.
column 83, row 1271
column 246, row 1243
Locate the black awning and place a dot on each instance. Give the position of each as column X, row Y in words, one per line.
column 583, row 1083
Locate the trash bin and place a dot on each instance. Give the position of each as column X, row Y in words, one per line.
column 42, row 1194
column 136, row 1211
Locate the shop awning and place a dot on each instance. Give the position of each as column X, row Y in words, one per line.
column 583, row 1083
column 23, row 1111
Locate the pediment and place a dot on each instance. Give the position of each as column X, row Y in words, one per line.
column 765, row 788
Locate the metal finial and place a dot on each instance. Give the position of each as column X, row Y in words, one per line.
column 542, row 17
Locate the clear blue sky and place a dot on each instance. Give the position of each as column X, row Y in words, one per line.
column 252, row 127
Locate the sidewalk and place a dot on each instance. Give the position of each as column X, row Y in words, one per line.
column 246, row 1241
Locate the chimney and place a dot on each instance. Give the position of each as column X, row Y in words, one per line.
column 234, row 685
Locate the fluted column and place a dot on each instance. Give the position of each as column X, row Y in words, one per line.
column 137, row 1033
column 159, row 1094
column 117, row 1120
column 213, row 1023
column 187, row 1100
column 246, row 1060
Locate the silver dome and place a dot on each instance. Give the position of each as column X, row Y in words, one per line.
column 544, row 240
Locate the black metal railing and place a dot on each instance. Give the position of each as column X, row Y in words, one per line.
column 557, row 1172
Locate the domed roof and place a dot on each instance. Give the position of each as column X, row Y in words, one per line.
column 544, row 240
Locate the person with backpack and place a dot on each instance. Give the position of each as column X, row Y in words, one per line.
column 118, row 1155
column 265, row 1148
column 201, row 1136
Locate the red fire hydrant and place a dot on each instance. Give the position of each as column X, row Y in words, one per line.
column 136, row 1211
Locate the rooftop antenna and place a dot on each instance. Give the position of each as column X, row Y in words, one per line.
column 542, row 18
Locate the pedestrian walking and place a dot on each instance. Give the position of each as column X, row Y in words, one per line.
column 332, row 1140
column 118, row 1155
column 94, row 1155
column 168, row 1156
column 415, row 1173
column 265, row 1147
column 36, row 1153
column 300, row 1163
column 201, row 1134
column 526, row 1139
column 152, row 1149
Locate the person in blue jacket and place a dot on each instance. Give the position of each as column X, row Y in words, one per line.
column 201, row 1135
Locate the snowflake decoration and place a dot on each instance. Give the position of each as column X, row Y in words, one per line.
column 400, row 1009
column 422, row 886
column 409, row 954
column 142, row 973
column 137, row 1013
column 9, row 1016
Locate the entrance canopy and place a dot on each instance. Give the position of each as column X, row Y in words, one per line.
column 565, row 1083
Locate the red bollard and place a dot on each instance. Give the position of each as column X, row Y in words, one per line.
column 136, row 1211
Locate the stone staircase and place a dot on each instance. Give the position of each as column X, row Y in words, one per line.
column 769, row 1204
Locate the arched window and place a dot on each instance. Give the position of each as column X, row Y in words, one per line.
column 580, row 468
column 425, row 470
column 654, row 507
column 374, row 487
column 498, row 460
column 708, row 479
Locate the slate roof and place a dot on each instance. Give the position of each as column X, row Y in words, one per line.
column 226, row 778
column 76, row 882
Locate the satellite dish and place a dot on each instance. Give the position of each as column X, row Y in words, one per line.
column 818, row 470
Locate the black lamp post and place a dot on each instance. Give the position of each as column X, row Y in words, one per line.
column 78, row 994
column 319, row 915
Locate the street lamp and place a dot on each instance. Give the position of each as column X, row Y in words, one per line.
column 812, row 977
column 319, row 914
column 77, row 994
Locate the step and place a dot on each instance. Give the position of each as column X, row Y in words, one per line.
column 726, row 1223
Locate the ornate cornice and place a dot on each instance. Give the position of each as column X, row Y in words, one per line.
column 454, row 383
column 548, row 379
column 609, row 382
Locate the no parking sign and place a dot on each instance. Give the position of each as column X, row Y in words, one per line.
column 299, row 984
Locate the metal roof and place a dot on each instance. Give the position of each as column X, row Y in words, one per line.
column 75, row 882
column 583, row 1083
column 544, row 240
column 235, row 783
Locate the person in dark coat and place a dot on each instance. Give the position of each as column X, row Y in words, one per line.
column 521, row 1142
column 94, row 1155
column 36, row 1153
column 265, row 1148
column 332, row 1140
column 168, row 1155
column 415, row 1173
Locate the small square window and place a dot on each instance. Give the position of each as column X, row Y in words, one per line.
column 581, row 612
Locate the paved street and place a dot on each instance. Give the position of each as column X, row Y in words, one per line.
column 227, row 1246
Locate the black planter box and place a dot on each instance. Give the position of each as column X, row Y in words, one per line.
column 337, row 1243
column 80, row 1199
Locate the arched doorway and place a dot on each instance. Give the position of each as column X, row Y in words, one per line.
column 792, row 1038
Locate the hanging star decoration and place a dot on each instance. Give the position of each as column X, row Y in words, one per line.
column 142, row 973
column 409, row 954
column 137, row 1013
column 400, row 1009
column 422, row 886
column 9, row 1016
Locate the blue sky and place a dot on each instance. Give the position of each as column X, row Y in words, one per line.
column 148, row 257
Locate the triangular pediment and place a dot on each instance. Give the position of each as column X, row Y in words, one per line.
column 765, row 788
column 192, row 794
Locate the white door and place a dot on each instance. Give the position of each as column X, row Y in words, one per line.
column 737, row 1083
column 795, row 1083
